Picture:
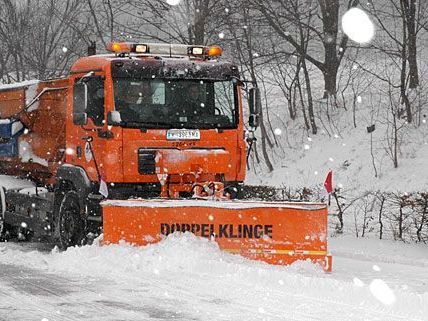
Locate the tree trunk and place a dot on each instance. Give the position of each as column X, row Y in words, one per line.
column 339, row 214
column 201, row 12
column 400, row 221
column 264, row 138
column 302, row 102
column 382, row 202
column 403, row 93
column 330, row 79
column 310, row 102
column 330, row 19
column 409, row 7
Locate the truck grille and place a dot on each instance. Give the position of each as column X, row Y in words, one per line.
column 146, row 161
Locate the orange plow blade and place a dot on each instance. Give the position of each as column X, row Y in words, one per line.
column 273, row 232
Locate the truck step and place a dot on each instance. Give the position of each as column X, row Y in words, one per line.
column 94, row 218
column 92, row 196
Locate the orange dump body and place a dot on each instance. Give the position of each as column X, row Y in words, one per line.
column 276, row 233
column 41, row 108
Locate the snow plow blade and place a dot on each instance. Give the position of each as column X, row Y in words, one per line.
column 274, row 232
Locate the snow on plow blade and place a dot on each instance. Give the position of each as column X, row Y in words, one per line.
column 273, row 232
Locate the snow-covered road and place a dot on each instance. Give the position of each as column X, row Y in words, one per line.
column 187, row 278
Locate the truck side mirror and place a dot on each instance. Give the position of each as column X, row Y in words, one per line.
column 80, row 118
column 113, row 118
column 80, row 98
column 255, row 104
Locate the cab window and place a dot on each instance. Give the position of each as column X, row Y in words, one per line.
column 95, row 99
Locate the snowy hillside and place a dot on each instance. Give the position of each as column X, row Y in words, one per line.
column 308, row 158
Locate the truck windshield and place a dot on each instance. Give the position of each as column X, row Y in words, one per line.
column 178, row 103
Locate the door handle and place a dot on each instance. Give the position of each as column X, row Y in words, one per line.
column 87, row 138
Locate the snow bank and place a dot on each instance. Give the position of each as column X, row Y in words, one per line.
column 13, row 183
column 27, row 155
column 221, row 286
column 385, row 251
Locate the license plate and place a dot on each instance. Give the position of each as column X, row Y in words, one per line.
column 183, row 134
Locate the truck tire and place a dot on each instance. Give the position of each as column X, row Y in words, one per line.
column 70, row 222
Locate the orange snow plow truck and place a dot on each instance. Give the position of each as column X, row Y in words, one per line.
column 140, row 143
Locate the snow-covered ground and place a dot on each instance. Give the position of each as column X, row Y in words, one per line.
column 189, row 278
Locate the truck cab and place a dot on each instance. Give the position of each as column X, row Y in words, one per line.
column 156, row 119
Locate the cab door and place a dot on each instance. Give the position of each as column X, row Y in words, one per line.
column 89, row 130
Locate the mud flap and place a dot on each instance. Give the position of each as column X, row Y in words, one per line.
column 274, row 232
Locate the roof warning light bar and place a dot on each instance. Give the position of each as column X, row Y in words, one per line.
column 165, row 49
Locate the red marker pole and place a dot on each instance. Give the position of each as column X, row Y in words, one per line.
column 328, row 184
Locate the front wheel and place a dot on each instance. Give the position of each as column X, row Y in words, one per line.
column 70, row 222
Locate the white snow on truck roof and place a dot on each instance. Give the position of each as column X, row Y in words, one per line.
column 20, row 84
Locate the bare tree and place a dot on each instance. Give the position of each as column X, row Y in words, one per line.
column 400, row 41
column 243, row 34
column 189, row 22
column 285, row 16
column 39, row 39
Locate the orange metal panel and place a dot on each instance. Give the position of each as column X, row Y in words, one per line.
column 212, row 145
column 11, row 101
column 277, row 233
column 173, row 161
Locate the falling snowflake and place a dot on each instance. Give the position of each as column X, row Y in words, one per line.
column 376, row 268
column 277, row 131
column 359, row 99
column 306, row 147
column 358, row 282
column 382, row 292
column 221, row 35
column 64, row 49
column 357, row 25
